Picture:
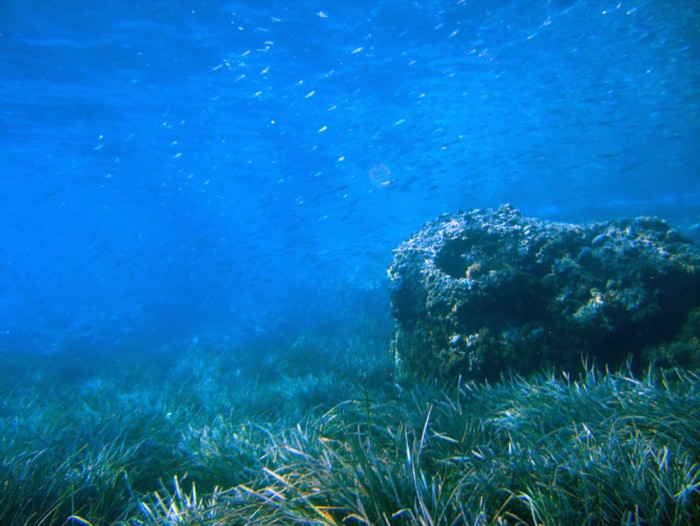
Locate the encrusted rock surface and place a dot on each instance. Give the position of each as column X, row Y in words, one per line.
column 479, row 293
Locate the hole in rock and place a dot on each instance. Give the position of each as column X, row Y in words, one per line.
column 455, row 257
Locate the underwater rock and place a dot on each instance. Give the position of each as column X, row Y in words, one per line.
column 684, row 351
column 479, row 293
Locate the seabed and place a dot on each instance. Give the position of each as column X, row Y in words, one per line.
column 324, row 434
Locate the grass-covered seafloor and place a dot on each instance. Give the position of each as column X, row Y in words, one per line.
column 313, row 429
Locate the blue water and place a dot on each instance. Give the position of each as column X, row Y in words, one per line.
column 179, row 170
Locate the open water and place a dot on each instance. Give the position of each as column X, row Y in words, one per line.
column 183, row 170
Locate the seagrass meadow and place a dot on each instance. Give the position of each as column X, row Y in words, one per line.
column 324, row 434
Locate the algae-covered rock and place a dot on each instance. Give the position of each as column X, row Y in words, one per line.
column 481, row 292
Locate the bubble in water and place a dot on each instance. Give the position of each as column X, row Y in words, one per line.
column 380, row 175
